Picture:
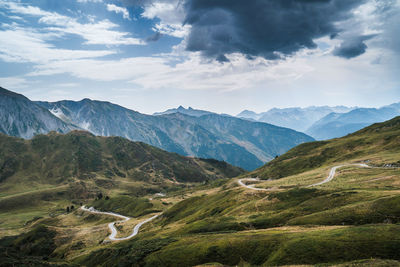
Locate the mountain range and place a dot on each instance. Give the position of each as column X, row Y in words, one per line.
column 340, row 124
column 237, row 141
column 299, row 119
column 324, row 122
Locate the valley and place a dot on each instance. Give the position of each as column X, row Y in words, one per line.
column 340, row 208
column 199, row 133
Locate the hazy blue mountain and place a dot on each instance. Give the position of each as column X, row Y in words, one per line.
column 248, row 114
column 236, row 141
column 340, row 124
column 299, row 119
column 23, row 118
column 189, row 111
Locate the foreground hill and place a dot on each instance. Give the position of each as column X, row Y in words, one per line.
column 339, row 124
column 239, row 142
column 21, row 117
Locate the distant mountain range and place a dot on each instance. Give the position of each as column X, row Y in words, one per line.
column 239, row 142
column 299, row 119
column 324, row 122
column 340, row 124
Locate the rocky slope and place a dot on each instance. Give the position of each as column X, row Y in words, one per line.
column 21, row 117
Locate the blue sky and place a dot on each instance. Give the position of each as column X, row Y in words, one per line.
column 151, row 55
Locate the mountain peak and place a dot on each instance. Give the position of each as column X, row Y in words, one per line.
column 5, row 92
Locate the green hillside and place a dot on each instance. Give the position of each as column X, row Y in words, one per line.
column 377, row 144
column 42, row 176
column 353, row 220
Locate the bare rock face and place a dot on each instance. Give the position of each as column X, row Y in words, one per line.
column 23, row 118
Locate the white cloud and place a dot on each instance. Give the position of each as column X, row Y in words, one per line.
column 13, row 82
column 118, row 9
column 101, row 33
column 171, row 14
column 26, row 45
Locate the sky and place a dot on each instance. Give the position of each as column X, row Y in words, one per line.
column 219, row 55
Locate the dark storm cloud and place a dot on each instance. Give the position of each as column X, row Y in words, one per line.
column 269, row 28
column 352, row 48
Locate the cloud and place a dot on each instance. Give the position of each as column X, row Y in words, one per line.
column 13, row 82
column 352, row 48
column 95, row 33
column 22, row 44
column 118, row 10
column 267, row 28
column 170, row 14
column 154, row 38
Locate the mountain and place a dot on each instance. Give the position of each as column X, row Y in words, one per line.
column 299, row 119
column 339, row 124
column 56, row 158
column 248, row 114
column 239, row 142
column 21, row 117
column 380, row 140
column 189, row 111
column 349, row 221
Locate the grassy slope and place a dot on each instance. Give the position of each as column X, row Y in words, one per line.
column 355, row 218
column 378, row 143
column 40, row 177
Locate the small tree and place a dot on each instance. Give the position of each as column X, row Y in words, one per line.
column 72, row 207
column 100, row 195
column 107, row 198
column 68, row 209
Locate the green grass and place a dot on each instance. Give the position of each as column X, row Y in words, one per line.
column 381, row 138
column 280, row 248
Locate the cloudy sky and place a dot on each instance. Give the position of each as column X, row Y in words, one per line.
column 219, row 55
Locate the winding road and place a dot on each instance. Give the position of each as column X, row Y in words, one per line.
column 333, row 172
column 111, row 226
column 328, row 179
column 251, row 186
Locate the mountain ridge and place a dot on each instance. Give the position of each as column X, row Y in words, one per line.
column 207, row 136
column 236, row 141
column 22, row 117
column 336, row 125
